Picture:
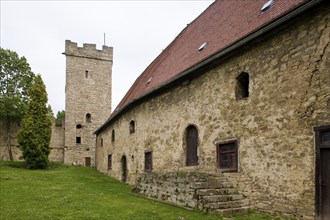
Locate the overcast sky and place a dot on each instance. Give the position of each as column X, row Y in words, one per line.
column 137, row 30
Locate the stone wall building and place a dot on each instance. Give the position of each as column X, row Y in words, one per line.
column 233, row 114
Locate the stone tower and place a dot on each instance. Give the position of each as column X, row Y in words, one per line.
column 88, row 99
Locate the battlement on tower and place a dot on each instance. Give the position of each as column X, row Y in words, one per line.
column 88, row 51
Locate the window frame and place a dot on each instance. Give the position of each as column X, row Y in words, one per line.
column 148, row 161
column 219, row 153
column 191, row 159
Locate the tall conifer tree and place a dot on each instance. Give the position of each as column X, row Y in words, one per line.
column 35, row 131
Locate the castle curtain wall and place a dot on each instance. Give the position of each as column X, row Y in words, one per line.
column 288, row 96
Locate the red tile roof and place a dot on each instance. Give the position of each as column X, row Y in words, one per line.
column 222, row 24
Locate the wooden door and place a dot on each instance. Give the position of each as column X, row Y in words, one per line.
column 322, row 172
column 87, row 161
column 192, row 142
column 124, row 168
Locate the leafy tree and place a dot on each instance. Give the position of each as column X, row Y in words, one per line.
column 35, row 131
column 15, row 79
column 60, row 117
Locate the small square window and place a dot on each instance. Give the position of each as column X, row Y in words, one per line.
column 148, row 161
column 227, row 156
column 78, row 140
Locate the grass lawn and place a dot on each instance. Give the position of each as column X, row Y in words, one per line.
column 66, row 192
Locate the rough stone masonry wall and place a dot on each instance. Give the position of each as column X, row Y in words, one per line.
column 4, row 153
column 289, row 95
column 56, row 143
column 85, row 94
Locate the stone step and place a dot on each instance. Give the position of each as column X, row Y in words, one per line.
column 211, row 192
column 211, row 185
column 209, row 178
column 228, row 204
column 230, row 211
column 222, row 198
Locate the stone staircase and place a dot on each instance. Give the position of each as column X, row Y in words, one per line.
column 215, row 194
column 207, row 192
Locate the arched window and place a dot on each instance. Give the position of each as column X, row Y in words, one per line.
column 113, row 135
column 242, row 86
column 132, row 127
column 124, row 169
column 88, row 118
column 191, row 142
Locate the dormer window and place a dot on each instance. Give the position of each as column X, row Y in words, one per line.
column 267, row 6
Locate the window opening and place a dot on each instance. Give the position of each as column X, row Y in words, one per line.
column 132, row 127
column 88, row 118
column 78, row 140
column 78, row 126
column 101, row 142
column 227, row 156
column 113, row 135
column 110, row 162
column 242, row 86
column 86, row 74
column 191, row 142
column 148, row 161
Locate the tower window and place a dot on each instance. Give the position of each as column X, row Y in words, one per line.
column 86, row 74
column 78, row 140
column 242, row 86
column 113, row 135
column 78, row 126
column 132, row 127
column 88, row 118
